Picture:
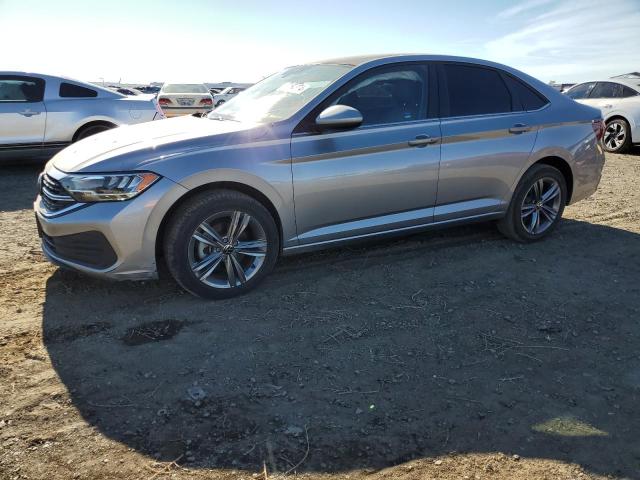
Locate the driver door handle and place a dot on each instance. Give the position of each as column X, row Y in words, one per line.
column 520, row 128
column 423, row 141
column 29, row 113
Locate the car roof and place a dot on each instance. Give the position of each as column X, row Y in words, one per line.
column 629, row 82
column 356, row 61
column 58, row 78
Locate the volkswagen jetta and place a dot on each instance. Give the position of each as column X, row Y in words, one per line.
column 315, row 156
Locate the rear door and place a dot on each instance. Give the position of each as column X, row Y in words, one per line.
column 489, row 126
column 22, row 113
column 609, row 97
column 380, row 176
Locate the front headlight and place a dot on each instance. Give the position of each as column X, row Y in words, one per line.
column 108, row 187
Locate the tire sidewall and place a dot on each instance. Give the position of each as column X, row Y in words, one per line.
column 536, row 173
column 184, row 224
column 627, row 140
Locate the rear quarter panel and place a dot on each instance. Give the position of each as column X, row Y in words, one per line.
column 567, row 133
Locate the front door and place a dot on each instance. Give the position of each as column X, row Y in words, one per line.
column 22, row 114
column 378, row 177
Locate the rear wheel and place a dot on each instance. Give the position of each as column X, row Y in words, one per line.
column 92, row 130
column 537, row 205
column 221, row 244
column 617, row 136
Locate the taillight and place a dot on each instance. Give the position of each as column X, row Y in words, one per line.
column 206, row 101
column 164, row 101
column 598, row 128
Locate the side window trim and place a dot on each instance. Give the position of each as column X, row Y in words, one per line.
column 38, row 81
column 303, row 127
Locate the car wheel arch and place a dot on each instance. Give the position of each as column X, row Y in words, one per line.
column 554, row 161
column 93, row 123
column 563, row 166
column 221, row 185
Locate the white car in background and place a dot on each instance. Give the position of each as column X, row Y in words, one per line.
column 619, row 101
column 185, row 99
column 42, row 114
column 226, row 95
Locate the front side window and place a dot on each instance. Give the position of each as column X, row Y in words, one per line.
column 388, row 95
column 476, row 90
column 581, row 91
column 281, row 95
column 21, row 89
column 70, row 90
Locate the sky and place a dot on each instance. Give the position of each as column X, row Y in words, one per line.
column 136, row 41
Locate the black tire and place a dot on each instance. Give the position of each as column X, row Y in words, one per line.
column 512, row 225
column 610, row 129
column 85, row 132
column 187, row 218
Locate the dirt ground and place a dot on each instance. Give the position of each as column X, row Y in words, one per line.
column 454, row 354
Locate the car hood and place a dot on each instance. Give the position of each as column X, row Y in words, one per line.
column 132, row 146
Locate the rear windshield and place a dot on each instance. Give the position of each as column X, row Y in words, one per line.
column 184, row 88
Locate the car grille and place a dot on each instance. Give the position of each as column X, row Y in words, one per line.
column 54, row 197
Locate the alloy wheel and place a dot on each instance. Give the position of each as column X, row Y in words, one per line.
column 541, row 205
column 615, row 135
column 227, row 249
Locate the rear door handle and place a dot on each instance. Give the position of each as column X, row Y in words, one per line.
column 607, row 106
column 520, row 128
column 423, row 141
column 29, row 113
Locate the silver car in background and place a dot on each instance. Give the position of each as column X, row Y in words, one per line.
column 177, row 99
column 315, row 156
column 41, row 114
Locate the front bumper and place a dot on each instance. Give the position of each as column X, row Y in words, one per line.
column 128, row 229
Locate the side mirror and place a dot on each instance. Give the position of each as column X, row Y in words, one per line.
column 338, row 116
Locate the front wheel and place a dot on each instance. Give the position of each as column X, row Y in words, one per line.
column 537, row 205
column 221, row 244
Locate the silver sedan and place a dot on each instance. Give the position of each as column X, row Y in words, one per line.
column 41, row 114
column 315, row 156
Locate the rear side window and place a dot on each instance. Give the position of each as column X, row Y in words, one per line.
column 475, row 91
column 69, row 90
column 581, row 91
column 525, row 95
column 606, row 90
column 628, row 92
column 14, row 88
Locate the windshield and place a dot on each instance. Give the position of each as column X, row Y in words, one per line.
column 184, row 88
column 281, row 95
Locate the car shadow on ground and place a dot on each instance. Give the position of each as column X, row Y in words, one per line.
column 368, row 357
column 23, row 186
